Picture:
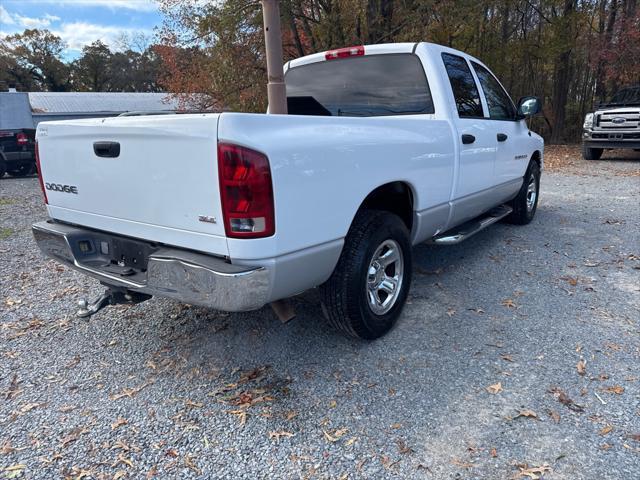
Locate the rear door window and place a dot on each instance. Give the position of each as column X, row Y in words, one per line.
column 465, row 90
column 364, row 86
column 500, row 105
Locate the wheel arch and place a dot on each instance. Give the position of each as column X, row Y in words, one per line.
column 397, row 197
column 537, row 157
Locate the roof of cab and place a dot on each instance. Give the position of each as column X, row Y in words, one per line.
column 368, row 50
column 382, row 48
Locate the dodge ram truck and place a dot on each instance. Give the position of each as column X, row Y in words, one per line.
column 384, row 147
column 614, row 124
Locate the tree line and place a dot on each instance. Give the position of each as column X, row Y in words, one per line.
column 33, row 61
column 571, row 53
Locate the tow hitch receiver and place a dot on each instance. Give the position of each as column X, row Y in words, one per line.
column 109, row 297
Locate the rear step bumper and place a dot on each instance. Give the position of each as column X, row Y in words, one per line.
column 170, row 272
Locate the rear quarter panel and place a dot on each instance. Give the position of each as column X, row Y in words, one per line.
column 324, row 167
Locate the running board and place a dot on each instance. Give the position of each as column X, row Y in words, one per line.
column 470, row 228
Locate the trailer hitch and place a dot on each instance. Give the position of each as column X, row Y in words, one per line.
column 109, row 297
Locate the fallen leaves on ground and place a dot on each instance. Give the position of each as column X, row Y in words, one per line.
column 534, row 473
column 241, row 414
column 290, row 415
column 605, row 430
column 189, row 462
column 564, row 399
column 555, row 416
column 121, row 459
column 616, row 389
column 462, row 463
column 129, row 392
column 509, row 303
column 14, row 471
column 27, row 407
column 278, row 435
column 14, row 390
column 73, row 435
column 581, row 367
column 403, row 447
column 335, row 435
column 573, row 281
column 351, row 441
column 118, row 423
column 494, row 389
column 387, row 462
column 527, row 414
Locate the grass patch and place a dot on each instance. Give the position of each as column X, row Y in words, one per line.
column 5, row 233
column 7, row 201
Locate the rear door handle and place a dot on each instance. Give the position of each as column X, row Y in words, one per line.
column 106, row 149
column 502, row 137
column 467, row 139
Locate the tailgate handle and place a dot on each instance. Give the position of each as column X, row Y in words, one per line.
column 106, row 149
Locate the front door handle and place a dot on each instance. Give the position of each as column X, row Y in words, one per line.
column 502, row 137
column 467, row 139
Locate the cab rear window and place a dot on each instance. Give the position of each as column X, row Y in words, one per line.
column 364, row 86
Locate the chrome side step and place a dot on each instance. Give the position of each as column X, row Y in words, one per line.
column 470, row 228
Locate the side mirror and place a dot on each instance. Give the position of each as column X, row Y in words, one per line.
column 529, row 106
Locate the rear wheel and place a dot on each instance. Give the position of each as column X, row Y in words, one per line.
column 365, row 295
column 589, row 153
column 22, row 171
column 526, row 202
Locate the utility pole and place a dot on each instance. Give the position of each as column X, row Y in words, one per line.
column 276, row 90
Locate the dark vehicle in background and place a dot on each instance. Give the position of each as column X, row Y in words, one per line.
column 614, row 124
column 17, row 152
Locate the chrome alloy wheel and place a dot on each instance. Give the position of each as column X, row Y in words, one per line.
column 384, row 277
column 532, row 193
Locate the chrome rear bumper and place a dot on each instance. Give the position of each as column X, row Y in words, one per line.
column 170, row 272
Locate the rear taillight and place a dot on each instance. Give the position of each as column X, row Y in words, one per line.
column 21, row 139
column 344, row 52
column 246, row 192
column 44, row 192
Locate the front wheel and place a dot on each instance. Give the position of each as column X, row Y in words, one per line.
column 365, row 295
column 526, row 202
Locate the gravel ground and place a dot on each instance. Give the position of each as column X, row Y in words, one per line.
column 518, row 355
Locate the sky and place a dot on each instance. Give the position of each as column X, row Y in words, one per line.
column 80, row 22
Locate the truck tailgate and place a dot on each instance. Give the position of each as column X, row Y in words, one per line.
column 161, row 186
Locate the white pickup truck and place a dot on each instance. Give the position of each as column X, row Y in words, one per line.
column 384, row 147
column 614, row 124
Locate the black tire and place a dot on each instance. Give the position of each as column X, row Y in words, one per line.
column 523, row 211
column 589, row 153
column 346, row 295
column 3, row 168
column 22, row 171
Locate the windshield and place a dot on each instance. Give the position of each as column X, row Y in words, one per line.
column 627, row 96
column 364, row 86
